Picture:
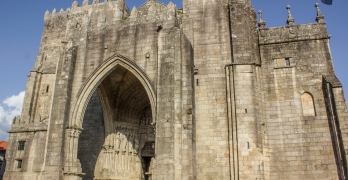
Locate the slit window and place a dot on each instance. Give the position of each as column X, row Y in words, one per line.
column 283, row 62
column 287, row 62
column 21, row 145
column 47, row 89
column 19, row 164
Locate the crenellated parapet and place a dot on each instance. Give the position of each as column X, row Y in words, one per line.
column 19, row 126
column 101, row 14
column 293, row 32
column 154, row 10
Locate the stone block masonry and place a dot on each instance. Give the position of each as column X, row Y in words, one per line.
column 157, row 93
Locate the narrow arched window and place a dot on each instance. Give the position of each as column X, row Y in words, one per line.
column 307, row 105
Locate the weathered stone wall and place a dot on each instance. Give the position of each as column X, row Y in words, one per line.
column 174, row 136
column 92, row 137
column 244, row 39
column 245, row 98
column 33, row 153
column 206, row 25
column 296, row 145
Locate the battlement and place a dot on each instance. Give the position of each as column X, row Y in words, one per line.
column 19, row 125
column 75, row 7
column 110, row 12
column 285, row 34
column 292, row 32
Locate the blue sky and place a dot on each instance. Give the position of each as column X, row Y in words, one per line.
column 21, row 25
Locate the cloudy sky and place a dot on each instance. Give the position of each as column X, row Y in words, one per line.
column 21, row 24
column 10, row 108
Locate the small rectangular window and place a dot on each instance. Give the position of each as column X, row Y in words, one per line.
column 19, row 164
column 287, row 61
column 21, row 145
column 283, row 62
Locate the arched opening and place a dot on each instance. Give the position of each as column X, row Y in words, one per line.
column 117, row 126
column 308, row 108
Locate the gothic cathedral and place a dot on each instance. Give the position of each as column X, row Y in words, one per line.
column 207, row 92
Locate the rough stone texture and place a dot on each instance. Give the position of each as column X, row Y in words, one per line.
column 92, row 137
column 164, row 94
column 205, row 23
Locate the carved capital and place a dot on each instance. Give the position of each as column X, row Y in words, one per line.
column 74, row 133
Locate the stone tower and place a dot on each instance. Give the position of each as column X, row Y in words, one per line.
column 196, row 93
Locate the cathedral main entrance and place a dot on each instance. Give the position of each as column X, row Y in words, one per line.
column 118, row 137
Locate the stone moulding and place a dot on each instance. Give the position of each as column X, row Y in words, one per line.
column 98, row 76
column 26, row 130
column 333, row 80
column 297, row 39
column 36, row 127
column 297, row 33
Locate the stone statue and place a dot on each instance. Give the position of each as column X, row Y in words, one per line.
column 118, row 141
column 123, row 142
column 136, row 146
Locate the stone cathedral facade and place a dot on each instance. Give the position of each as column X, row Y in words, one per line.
column 206, row 92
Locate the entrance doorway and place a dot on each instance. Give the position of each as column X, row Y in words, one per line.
column 119, row 115
column 147, row 153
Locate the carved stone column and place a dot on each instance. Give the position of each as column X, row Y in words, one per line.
column 72, row 166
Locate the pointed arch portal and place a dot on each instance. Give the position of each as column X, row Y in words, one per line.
column 115, row 108
column 93, row 82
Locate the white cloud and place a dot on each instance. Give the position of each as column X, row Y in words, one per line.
column 10, row 108
column 15, row 101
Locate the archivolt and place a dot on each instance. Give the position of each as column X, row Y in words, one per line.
column 92, row 83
